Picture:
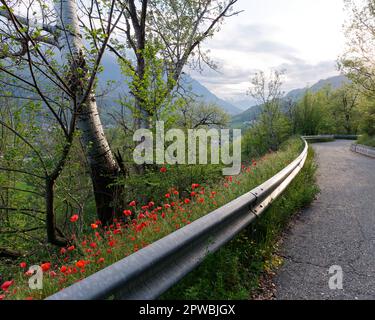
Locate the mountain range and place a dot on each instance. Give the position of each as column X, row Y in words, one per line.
column 112, row 84
column 251, row 114
column 242, row 111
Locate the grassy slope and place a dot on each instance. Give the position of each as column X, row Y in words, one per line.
column 123, row 239
column 234, row 271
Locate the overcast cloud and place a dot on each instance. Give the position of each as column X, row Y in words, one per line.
column 304, row 37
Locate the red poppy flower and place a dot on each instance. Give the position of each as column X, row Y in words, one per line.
column 168, row 195
column 46, row 266
column 71, row 248
column 93, row 245
column 194, row 186
column 63, row 251
column 111, row 243
column 94, row 226
column 74, row 218
column 2, row 297
column 193, row 194
column 201, row 200
column 176, row 192
column 5, row 286
column 101, row 260
column 187, row 201
column 63, row 269
column 128, row 213
column 163, row 215
column 144, row 208
column 151, row 204
column 132, row 204
column 29, row 298
column 80, row 264
column 167, row 206
column 23, row 265
column 163, row 170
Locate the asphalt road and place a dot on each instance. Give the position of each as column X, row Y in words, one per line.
column 338, row 229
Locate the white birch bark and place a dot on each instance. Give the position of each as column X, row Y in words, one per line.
column 89, row 123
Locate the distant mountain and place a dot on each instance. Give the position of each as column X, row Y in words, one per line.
column 335, row 83
column 250, row 115
column 243, row 104
column 203, row 94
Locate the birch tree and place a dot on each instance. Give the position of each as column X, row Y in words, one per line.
column 43, row 50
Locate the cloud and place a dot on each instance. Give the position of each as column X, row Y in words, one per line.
column 302, row 36
column 233, row 82
column 306, row 74
column 254, row 39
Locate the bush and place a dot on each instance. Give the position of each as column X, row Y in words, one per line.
column 366, row 140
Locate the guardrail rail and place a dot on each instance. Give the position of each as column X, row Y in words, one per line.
column 151, row 271
column 364, row 150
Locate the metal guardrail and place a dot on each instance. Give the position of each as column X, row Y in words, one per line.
column 330, row 137
column 319, row 138
column 151, row 271
column 346, row 136
column 364, row 150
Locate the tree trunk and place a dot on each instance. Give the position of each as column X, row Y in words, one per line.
column 102, row 163
column 103, row 166
column 51, row 219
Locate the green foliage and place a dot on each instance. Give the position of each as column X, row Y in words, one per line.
column 153, row 184
column 329, row 112
column 311, row 113
column 366, row 140
column 262, row 137
column 272, row 127
column 367, row 121
column 150, row 88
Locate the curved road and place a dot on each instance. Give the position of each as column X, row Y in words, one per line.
column 338, row 229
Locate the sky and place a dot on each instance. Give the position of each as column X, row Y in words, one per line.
column 304, row 37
